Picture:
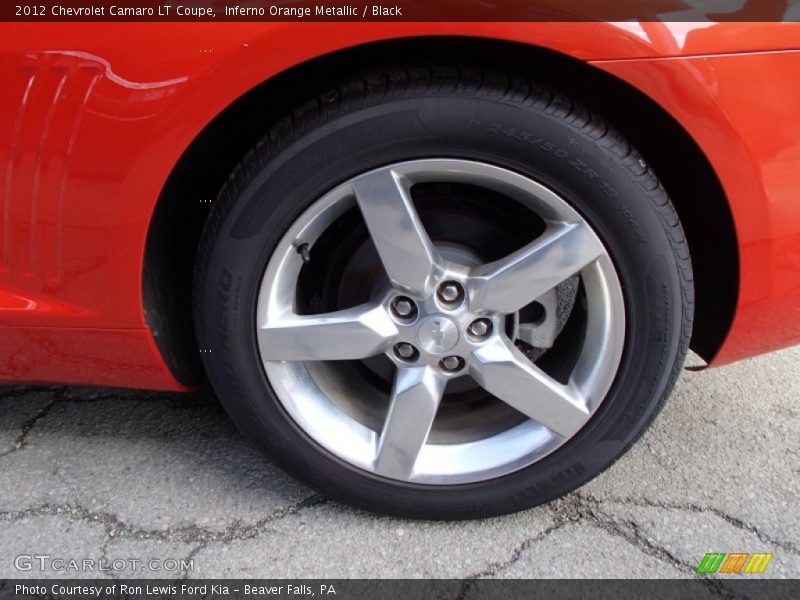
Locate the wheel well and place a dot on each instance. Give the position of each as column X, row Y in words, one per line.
column 205, row 166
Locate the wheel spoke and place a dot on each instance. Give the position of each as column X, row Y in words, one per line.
column 514, row 281
column 505, row 372
column 415, row 399
column 354, row 333
column 407, row 253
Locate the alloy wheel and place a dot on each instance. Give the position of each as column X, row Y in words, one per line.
column 441, row 316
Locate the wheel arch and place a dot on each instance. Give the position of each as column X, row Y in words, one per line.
column 202, row 170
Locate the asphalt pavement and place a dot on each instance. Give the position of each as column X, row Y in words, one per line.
column 162, row 485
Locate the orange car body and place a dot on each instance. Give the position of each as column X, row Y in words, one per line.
column 96, row 116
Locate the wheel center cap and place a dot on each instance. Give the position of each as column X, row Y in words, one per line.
column 437, row 335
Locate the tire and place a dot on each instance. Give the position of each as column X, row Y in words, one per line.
column 498, row 125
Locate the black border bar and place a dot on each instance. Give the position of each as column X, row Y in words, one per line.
column 397, row 10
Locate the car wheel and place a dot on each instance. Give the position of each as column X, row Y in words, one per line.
column 443, row 293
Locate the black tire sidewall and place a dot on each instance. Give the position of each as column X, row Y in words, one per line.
column 586, row 167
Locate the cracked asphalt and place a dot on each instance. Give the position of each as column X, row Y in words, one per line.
column 93, row 473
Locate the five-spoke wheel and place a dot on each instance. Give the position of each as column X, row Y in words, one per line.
column 437, row 319
column 443, row 293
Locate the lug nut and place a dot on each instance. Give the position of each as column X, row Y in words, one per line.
column 403, row 307
column 450, row 292
column 405, row 351
column 452, row 363
column 480, row 328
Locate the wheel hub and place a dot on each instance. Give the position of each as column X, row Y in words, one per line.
column 438, row 334
column 444, row 331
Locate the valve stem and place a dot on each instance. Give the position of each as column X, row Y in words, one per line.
column 304, row 253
